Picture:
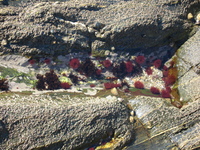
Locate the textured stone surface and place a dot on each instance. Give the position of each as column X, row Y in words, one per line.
column 188, row 60
column 42, row 122
column 161, row 125
column 61, row 27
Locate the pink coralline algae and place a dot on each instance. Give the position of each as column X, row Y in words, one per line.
column 74, row 63
column 140, row 59
column 157, row 63
column 139, row 85
column 129, row 66
column 107, row 63
column 154, row 90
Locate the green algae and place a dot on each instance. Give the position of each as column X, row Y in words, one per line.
column 14, row 75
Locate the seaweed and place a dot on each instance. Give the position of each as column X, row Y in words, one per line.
column 4, row 85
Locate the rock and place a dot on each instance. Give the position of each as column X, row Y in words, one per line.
column 45, row 122
column 188, row 61
column 160, row 124
column 55, row 28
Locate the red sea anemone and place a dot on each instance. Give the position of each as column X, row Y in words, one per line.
column 169, row 80
column 129, row 66
column 140, row 59
column 92, row 85
column 165, row 73
column 107, row 63
column 32, row 61
column 139, row 85
column 154, row 90
column 47, row 61
column 109, row 85
column 74, row 63
column 98, row 72
column 157, row 63
column 165, row 94
column 149, row 71
column 65, row 85
column 165, row 68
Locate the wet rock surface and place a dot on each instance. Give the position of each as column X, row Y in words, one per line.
column 53, row 28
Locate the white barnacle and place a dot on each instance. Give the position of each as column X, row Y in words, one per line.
column 198, row 19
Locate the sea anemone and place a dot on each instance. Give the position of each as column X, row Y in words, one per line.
column 165, row 94
column 140, row 59
column 108, row 85
column 168, row 89
column 107, row 63
column 165, row 73
column 92, row 85
column 129, row 66
column 74, row 63
column 47, row 61
column 32, row 61
column 154, row 90
column 98, row 72
column 157, row 63
column 65, row 85
column 169, row 80
column 149, row 71
column 165, row 68
column 139, row 85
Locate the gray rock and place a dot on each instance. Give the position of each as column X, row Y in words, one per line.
column 54, row 28
column 160, row 125
column 49, row 123
column 188, row 60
